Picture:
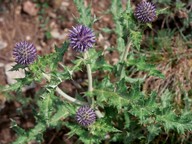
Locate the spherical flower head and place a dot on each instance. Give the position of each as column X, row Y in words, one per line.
column 145, row 12
column 85, row 116
column 25, row 53
column 81, row 38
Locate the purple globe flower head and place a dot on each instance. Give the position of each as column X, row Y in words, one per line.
column 24, row 53
column 85, row 116
column 81, row 38
column 145, row 12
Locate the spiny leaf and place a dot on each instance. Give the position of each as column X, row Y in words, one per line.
column 84, row 135
column 171, row 121
column 110, row 98
column 84, row 12
column 153, row 131
column 17, row 67
column 17, row 129
column 136, row 38
column 31, row 135
column 101, row 127
column 62, row 112
column 45, row 106
column 142, row 65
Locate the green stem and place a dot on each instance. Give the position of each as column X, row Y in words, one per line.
column 125, row 53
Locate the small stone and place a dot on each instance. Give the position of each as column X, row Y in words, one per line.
column 28, row 38
column 55, row 34
column 39, row 48
column 56, row 3
column 30, row 8
column 1, row 65
column 18, row 10
column 3, row 44
column 2, row 101
column 64, row 6
column 1, row 19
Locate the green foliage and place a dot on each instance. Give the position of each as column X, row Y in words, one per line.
column 105, row 97
column 85, row 13
column 141, row 65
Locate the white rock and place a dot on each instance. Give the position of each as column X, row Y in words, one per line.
column 12, row 75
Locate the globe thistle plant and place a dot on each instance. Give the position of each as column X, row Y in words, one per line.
column 145, row 12
column 25, row 53
column 81, row 38
column 85, row 116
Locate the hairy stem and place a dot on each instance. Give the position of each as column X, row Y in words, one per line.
column 69, row 98
column 90, row 80
column 90, row 87
column 63, row 94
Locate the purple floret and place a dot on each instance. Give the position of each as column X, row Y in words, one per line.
column 85, row 116
column 145, row 12
column 24, row 53
column 81, row 38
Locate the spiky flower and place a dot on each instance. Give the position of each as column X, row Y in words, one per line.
column 81, row 38
column 145, row 12
column 25, row 53
column 85, row 116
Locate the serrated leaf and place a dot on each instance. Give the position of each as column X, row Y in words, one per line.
column 45, row 106
column 110, row 98
column 142, row 65
column 136, row 37
column 127, row 120
column 171, row 121
column 153, row 131
column 101, row 127
column 31, row 134
column 84, row 12
column 17, row 129
column 61, row 51
column 84, row 135
column 62, row 113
